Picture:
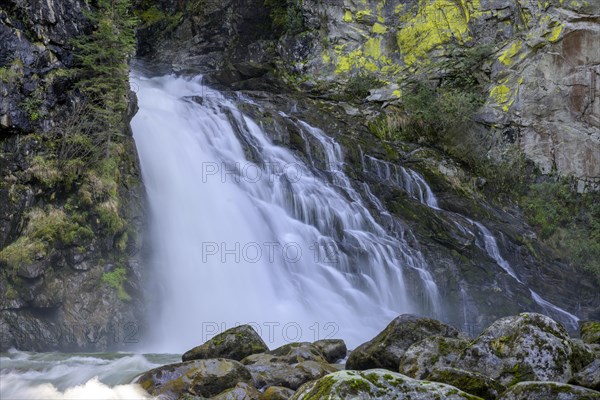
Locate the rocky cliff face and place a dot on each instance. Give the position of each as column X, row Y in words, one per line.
column 69, row 248
column 536, row 96
column 542, row 65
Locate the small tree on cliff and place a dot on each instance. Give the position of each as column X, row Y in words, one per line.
column 102, row 72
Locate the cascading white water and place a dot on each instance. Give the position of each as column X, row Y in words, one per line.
column 62, row 376
column 408, row 180
column 245, row 232
column 416, row 186
column 491, row 247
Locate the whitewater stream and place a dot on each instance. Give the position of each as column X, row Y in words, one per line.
column 245, row 231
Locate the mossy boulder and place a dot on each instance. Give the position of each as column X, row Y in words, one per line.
column 241, row 391
column 547, row 391
column 332, row 349
column 276, row 393
column 470, row 382
column 590, row 332
column 197, row 378
column 430, row 353
column 582, row 355
column 234, row 344
column 298, row 351
column 387, row 349
column 269, row 370
column 526, row 347
column 589, row 376
column 377, row 384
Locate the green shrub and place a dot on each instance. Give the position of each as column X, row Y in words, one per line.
column 567, row 221
column 286, row 16
column 21, row 252
column 360, row 83
column 116, row 279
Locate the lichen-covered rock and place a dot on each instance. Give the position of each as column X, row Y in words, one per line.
column 332, row 349
column 276, row 393
column 273, row 370
column 199, row 378
column 297, row 352
column 520, row 348
column 470, row 382
column 234, row 344
column 430, row 353
column 582, row 355
column 589, row 376
column 548, row 390
column 590, row 332
column 377, row 384
column 241, row 391
column 387, row 349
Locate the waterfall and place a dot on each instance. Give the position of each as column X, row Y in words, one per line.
column 406, row 179
column 245, row 231
column 492, row 249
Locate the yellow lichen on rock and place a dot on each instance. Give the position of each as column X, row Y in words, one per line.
column 504, row 95
column 507, row 57
column 368, row 57
column 554, row 34
column 378, row 28
column 436, row 23
column 347, row 16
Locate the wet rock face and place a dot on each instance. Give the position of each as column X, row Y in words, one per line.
column 35, row 43
column 234, row 344
column 56, row 300
column 232, row 36
column 387, row 349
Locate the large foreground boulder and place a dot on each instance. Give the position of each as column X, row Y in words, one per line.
column 589, row 376
column 547, row 391
column 198, row 378
column 241, row 391
column 527, row 347
column 433, row 352
column 276, row 393
column 387, row 349
column 332, row 349
column 377, row 384
column 234, row 344
column 288, row 366
column 470, row 382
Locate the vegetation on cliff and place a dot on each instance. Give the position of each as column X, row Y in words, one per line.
column 83, row 160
